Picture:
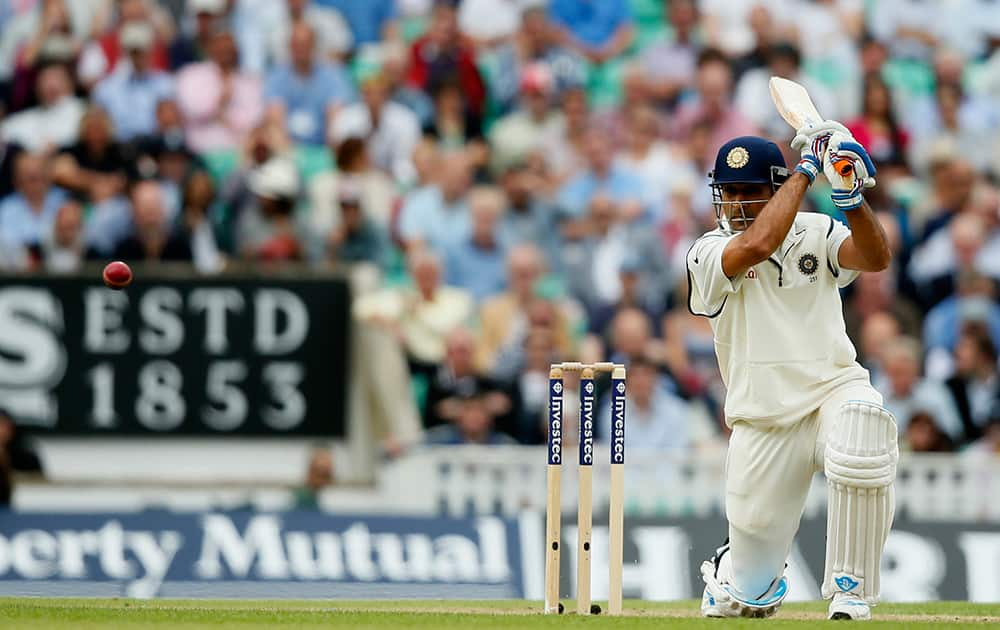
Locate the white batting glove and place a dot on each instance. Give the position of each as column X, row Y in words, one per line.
column 848, row 189
column 811, row 141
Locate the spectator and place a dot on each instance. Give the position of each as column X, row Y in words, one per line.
column 455, row 379
column 220, row 103
column 442, row 54
column 51, row 40
column 564, row 149
column 333, row 35
column 153, row 239
column 521, row 132
column 531, row 385
column 477, row 262
column 8, row 157
column 455, row 126
column 974, row 300
column 54, row 122
column 753, row 91
column 390, row 129
column 375, row 191
column 395, row 58
column 602, row 176
column 319, row 475
column 131, row 93
column 953, row 179
column 906, row 27
column 198, row 219
column 491, row 22
column 530, row 218
column 421, row 317
column 357, row 237
column 194, row 48
column 712, row 107
column 371, row 21
column 658, row 421
column 975, row 387
column 877, row 128
column 614, row 121
column 140, row 23
column 267, row 230
column 988, row 447
column 438, row 216
column 304, row 94
column 65, row 249
column 668, row 64
column 26, row 216
column 23, row 36
column 923, row 435
column 733, row 26
column 264, row 142
column 474, row 425
column 937, row 263
column 95, row 166
column 877, row 331
column 765, row 35
column 599, row 31
column 504, row 319
column 827, row 33
column 907, row 394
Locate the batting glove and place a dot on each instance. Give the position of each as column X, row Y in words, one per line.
column 848, row 189
column 811, row 141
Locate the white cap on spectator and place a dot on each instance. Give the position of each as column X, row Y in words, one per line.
column 275, row 179
column 215, row 7
column 136, row 36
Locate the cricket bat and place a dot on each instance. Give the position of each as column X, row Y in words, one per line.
column 793, row 103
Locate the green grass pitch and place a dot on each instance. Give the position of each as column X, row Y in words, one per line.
column 83, row 614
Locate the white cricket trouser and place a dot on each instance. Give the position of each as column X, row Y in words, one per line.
column 768, row 474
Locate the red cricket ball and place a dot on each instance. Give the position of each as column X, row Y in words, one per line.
column 117, row 275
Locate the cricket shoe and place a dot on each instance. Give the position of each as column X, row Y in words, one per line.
column 849, row 606
column 720, row 599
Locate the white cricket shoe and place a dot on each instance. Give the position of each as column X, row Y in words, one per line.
column 849, row 606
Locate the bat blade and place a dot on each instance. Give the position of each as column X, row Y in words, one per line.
column 797, row 109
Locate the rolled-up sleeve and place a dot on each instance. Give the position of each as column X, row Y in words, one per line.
column 708, row 285
column 835, row 237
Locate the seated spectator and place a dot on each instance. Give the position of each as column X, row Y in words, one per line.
column 438, row 216
column 591, row 262
column 668, row 64
column 154, row 239
column 734, row 26
column 937, row 264
column 455, row 126
column 24, row 34
column 333, row 35
column 305, row 93
column 952, row 180
column 193, row 48
column 199, row 216
column 530, row 218
column 132, row 92
column 319, row 475
column 390, row 129
column 357, row 237
column 443, row 54
column 375, row 190
column 267, row 230
column 220, row 102
column 923, row 435
column 264, row 142
column 477, row 262
column 139, row 22
column 52, row 39
column 599, row 31
column 987, row 447
column 474, row 425
column 565, row 145
column 395, row 58
column 371, row 21
column 55, row 121
column 603, row 176
column 504, row 319
column 877, row 129
column 657, row 419
column 660, row 166
column 615, row 121
column 455, row 379
column 711, row 106
column 65, row 249
column 631, row 336
column 420, row 317
column 905, row 393
column 26, row 216
column 95, row 166
column 975, row 386
column 8, row 157
column 522, row 131
column 531, row 385
column 601, row 315
column 753, row 91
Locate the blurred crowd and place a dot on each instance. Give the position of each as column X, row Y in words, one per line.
column 510, row 183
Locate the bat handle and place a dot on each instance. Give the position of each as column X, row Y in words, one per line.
column 844, row 167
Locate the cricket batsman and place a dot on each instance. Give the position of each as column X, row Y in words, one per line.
column 768, row 278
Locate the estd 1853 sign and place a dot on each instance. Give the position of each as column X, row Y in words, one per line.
column 246, row 355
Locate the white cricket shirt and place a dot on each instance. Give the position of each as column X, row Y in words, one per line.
column 779, row 328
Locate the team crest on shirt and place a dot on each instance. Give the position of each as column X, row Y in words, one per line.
column 808, row 264
column 737, row 157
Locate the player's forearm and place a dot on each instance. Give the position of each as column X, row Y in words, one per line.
column 771, row 226
column 869, row 238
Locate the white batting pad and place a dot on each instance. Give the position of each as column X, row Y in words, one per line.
column 860, row 464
